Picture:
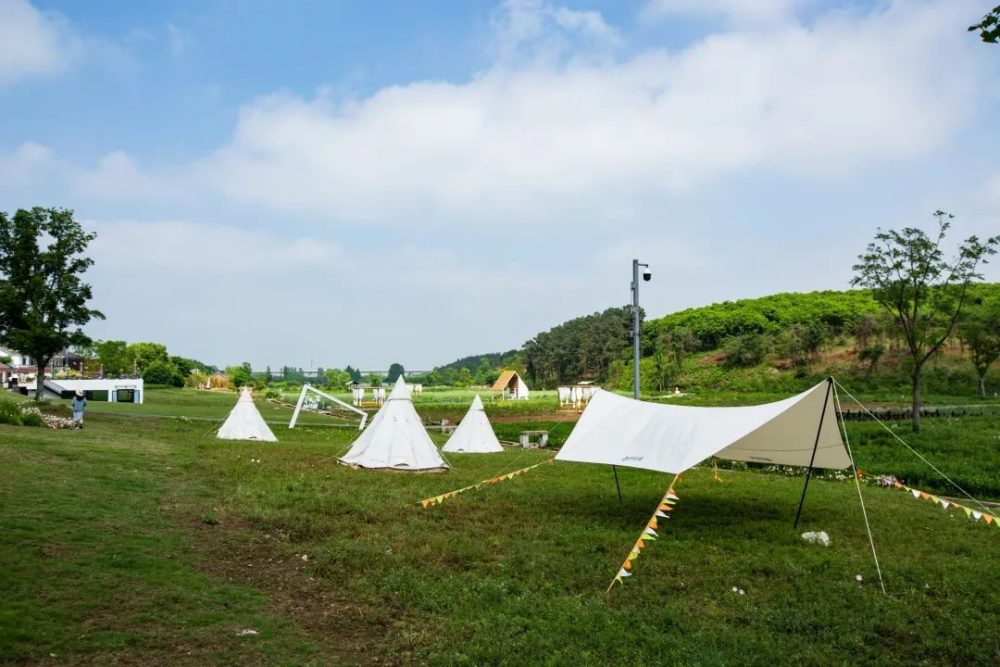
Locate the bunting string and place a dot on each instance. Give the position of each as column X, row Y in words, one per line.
column 437, row 500
column 648, row 534
column 975, row 515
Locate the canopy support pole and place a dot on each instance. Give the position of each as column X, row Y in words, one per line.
column 812, row 459
column 857, row 483
column 614, row 469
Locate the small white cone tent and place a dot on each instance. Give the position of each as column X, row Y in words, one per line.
column 474, row 434
column 244, row 422
column 396, row 439
column 798, row 431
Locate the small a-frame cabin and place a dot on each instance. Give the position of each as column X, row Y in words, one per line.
column 510, row 385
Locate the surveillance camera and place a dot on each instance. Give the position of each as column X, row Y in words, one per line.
column 647, row 275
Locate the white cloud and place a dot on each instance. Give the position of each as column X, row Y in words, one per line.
column 568, row 141
column 179, row 40
column 737, row 11
column 32, row 43
column 538, row 30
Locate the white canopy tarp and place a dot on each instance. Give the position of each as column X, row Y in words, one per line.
column 244, row 422
column 615, row 430
column 474, row 434
column 396, row 439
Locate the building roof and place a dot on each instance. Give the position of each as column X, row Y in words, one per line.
column 504, row 380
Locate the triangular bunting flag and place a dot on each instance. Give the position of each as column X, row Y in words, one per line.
column 924, row 495
column 662, row 515
column 936, row 500
column 671, row 496
column 916, row 494
column 665, row 507
column 627, row 565
column 988, row 518
column 624, row 573
column 425, row 503
column 652, row 523
column 945, row 504
column 968, row 512
column 977, row 515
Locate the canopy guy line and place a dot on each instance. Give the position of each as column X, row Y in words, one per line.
column 648, row 534
column 438, row 499
column 945, row 503
column 857, row 483
column 912, row 450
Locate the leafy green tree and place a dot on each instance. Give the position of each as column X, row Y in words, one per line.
column 464, row 378
column 979, row 331
column 113, row 357
column 239, row 375
column 336, row 379
column 163, row 372
column 989, row 27
column 43, row 299
column 925, row 291
column 485, row 374
column 140, row 355
column 268, row 377
column 395, row 371
column 744, row 351
column 374, row 380
column 354, row 373
column 184, row 366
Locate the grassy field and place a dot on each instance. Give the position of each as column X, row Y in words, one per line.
column 147, row 541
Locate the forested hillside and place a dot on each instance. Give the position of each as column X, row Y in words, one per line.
column 778, row 343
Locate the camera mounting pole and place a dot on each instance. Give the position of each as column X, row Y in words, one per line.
column 646, row 275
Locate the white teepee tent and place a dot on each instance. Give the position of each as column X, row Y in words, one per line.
column 244, row 422
column 395, row 439
column 474, row 434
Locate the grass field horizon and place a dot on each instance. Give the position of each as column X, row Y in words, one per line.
column 146, row 540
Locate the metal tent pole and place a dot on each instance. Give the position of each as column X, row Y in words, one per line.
column 812, row 459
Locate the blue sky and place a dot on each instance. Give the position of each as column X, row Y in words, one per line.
column 373, row 182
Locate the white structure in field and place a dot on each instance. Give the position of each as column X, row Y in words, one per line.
column 577, row 394
column 510, row 385
column 244, row 422
column 474, row 434
column 304, row 402
column 396, row 439
column 123, row 390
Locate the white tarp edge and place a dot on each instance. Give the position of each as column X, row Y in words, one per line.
column 614, row 430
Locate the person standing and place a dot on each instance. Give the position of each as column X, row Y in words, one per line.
column 79, row 405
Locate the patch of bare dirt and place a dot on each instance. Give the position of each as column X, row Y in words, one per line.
column 242, row 554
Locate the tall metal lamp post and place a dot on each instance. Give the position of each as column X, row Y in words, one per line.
column 647, row 275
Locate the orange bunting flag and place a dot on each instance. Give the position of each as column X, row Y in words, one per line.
column 975, row 515
column 437, row 500
column 648, row 534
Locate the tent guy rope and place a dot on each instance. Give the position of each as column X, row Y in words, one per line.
column 857, row 483
column 912, row 450
column 438, row 499
column 648, row 534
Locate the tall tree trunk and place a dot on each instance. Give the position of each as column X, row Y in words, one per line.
column 982, row 385
column 40, row 377
column 917, row 380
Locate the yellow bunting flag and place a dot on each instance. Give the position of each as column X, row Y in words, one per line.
column 648, row 534
column 437, row 500
column 975, row 515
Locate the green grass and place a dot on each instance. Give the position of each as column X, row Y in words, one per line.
column 148, row 541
